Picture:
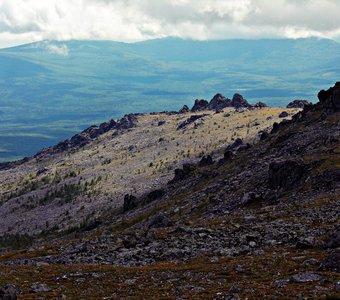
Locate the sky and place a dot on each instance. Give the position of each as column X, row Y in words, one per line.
column 24, row 21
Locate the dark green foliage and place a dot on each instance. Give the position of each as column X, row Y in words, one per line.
column 66, row 193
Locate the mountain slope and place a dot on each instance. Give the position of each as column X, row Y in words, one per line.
column 259, row 220
column 52, row 90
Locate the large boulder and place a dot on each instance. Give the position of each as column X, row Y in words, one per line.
column 235, row 145
column 334, row 241
column 218, row 102
column 183, row 173
column 285, row 174
column 200, row 105
column 205, row 161
column 154, row 195
column 330, row 99
column 130, row 202
column 283, row 114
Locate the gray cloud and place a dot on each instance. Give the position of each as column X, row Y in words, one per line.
column 131, row 20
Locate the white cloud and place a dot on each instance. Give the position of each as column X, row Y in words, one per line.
column 59, row 50
column 131, row 20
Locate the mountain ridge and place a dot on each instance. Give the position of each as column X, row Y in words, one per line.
column 260, row 210
column 56, row 91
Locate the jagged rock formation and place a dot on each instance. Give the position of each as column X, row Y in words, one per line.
column 189, row 121
column 330, row 99
column 260, row 105
column 239, row 101
column 200, row 105
column 218, row 102
column 86, row 136
column 185, row 109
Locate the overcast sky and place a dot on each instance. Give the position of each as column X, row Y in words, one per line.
column 23, row 21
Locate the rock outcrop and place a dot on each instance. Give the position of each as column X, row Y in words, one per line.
column 200, row 105
column 218, row 102
column 86, row 136
column 185, row 109
column 189, row 121
column 330, row 99
column 238, row 101
column 298, row 104
column 260, row 105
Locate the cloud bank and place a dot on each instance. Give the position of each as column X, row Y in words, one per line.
column 24, row 21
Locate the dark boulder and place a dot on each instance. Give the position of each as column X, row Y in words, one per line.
column 183, row 173
column 330, row 99
column 298, row 104
column 236, row 144
column 285, row 174
column 228, row 155
column 160, row 123
column 200, row 105
column 238, row 101
column 154, row 195
column 218, row 102
column 42, row 171
column 185, row 109
column 275, row 128
column 9, row 292
column 284, row 114
column 334, row 241
column 130, row 202
column 189, row 121
column 205, row 161
column 263, row 135
column 309, row 243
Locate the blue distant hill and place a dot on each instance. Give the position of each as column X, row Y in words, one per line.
column 50, row 90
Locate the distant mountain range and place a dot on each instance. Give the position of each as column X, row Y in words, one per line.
column 50, row 90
